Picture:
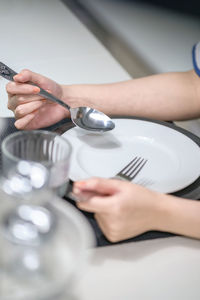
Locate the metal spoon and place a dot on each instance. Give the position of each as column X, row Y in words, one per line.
column 84, row 117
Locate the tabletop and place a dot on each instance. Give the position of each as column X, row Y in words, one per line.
column 46, row 37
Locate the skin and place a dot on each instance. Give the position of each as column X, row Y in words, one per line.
column 31, row 110
column 122, row 209
column 170, row 96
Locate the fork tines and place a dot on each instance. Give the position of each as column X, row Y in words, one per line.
column 130, row 171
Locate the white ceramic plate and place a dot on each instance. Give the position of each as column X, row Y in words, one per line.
column 173, row 158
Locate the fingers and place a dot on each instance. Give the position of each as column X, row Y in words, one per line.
column 31, row 110
column 24, row 109
column 13, row 88
column 27, row 75
column 84, row 196
column 100, row 194
column 20, row 91
column 98, row 185
column 16, row 100
column 23, row 122
column 26, row 112
column 94, row 204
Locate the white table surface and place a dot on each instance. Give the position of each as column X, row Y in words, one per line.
column 45, row 36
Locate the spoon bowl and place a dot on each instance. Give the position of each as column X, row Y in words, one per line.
column 91, row 119
column 84, row 117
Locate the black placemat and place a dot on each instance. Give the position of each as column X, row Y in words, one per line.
column 7, row 127
column 102, row 240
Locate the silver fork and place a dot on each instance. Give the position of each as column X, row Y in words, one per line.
column 132, row 169
column 128, row 173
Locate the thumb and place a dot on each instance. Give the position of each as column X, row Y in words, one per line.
column 98, row 185
column 102, row 193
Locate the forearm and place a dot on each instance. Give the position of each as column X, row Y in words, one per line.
column 170, row 96
column 179, row 216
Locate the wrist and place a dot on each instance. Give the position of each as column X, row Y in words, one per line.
column 164, row 212
column 156, row 211
column 168, row 213
column 76, row 95
column 178, row 215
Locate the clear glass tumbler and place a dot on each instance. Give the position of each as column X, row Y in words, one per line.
column 44, row 147
column 43, row 239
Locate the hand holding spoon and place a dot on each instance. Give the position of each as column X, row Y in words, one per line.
column 84, row 117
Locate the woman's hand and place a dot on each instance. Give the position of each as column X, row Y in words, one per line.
column 122, row 209
column 30, row 109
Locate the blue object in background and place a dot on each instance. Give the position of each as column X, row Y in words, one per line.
column 196, row 58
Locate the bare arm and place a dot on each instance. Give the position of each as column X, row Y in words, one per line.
column 181, row 216
column 168, row 96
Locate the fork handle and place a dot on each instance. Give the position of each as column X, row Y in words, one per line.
column 119, row 178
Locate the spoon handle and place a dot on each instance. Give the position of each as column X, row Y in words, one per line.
column 51, row 97
column 8, row 74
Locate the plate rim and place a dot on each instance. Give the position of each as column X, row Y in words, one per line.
column 194, row 185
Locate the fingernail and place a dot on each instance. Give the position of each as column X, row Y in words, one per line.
column 17, row 77
column 36, row 89
column 17, row 124
column 81, row 183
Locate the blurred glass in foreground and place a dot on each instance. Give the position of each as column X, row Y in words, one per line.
column 43, row 240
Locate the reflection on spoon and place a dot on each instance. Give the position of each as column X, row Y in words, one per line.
column 91, row 119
